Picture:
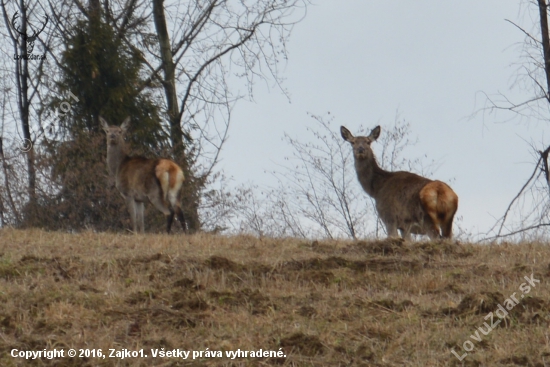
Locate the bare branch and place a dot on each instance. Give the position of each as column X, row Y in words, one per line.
column 513, row 233
column 523, row 30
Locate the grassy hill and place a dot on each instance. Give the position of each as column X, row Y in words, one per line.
column 307, row 303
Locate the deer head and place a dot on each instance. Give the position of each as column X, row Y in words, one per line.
column 361, row 144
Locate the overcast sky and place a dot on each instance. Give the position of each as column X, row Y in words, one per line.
column 431, row 60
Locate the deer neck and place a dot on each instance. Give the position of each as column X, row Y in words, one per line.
column 115, row 155
column 371, row 175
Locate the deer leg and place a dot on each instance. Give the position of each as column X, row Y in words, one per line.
column 140, row 209
column 169, row 221
column 391, row 228
column 448, row 227
column 174, row 200
column 433, row 234
column 130, row 202
column 432, row 227
column 162, row 206
column 406, row 234
column 181, row 218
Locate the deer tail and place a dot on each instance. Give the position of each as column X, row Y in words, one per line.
column 440, row 203
column 171, row 178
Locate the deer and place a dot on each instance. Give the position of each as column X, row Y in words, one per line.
column 140, row 179
column 405, row 201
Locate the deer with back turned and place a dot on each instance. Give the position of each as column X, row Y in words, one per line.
column 140, row 179
column 405, row 201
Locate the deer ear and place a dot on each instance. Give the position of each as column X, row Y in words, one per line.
column 125, row 124
column 346, row 134
column 104, row 124
column 375, row 133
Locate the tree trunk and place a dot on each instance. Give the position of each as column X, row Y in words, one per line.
column 7, row 186
column 545, row 167
column 543, row 12
column 23, row 75
column 190, row 189
column 94, row 17
column 94, row 11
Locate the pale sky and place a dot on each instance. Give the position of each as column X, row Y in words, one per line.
column 431, row 60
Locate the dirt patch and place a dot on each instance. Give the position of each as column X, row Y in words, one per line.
column 321, row 248
column 390, row 304
column 47, row 326
column 520, row 268
column 388, row 246
column 335, row 262
column 189, row 301
column 479, row 304
column 315, row 264
column 88, row 288
column 307, row 311
column 468, row 362
column 433, row 248
column 38, row 260
column 394, row 265
column 254, row 301
column 150, row 258
column 165, row 316
column 158, row 343
column 532, row 304
column 222, row 263
column 58, row 268
column 532, row 308
column 517, row 361
column 449, row 288
column 140, row 297
column 535, row 318
column 187, row 283
column 6, row 322
column 9, row 271
column 364, row 352
column 146, row 259
column 159, row 315
column 300, row 343
column 373, row 333
column 481, row 270
column 324, row 277
column 258, row 269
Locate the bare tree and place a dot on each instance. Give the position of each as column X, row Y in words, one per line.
column 528, row 213
column 24, row 25
column 209, row 39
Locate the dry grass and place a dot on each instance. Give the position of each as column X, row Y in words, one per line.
column 326, row 303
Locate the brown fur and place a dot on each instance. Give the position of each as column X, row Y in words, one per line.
column 140, row 179
column 405, row 201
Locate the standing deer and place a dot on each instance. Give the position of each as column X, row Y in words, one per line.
column 139, row 179
column 404, row 201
